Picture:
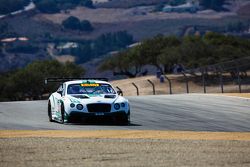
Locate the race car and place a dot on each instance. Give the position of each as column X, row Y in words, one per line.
column 76, row 100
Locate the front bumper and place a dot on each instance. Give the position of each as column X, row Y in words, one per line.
column 79, row 116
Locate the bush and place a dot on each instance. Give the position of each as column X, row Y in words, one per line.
column 72, row 23
column 86, row 26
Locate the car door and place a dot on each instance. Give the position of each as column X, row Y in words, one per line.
column 58, row 100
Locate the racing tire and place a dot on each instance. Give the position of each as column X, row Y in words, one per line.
column 62, row 114
column 49, row 113
column 123, row 120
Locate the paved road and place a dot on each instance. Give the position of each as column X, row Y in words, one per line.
column 169, row 112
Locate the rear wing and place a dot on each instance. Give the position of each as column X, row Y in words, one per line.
column 61, row 80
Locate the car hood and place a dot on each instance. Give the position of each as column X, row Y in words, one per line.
column 92, row 98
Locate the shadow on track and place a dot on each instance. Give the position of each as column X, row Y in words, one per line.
column 101, row 122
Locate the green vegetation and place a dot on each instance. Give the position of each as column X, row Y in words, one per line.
column 4, row 28
column 164, row 52
column 47, row 6
column 176, row 2
column 102, row 45
column 25, row 48
column 212, row 4
column 237, row 26
column 54, row 6
column 74, row 23
column 86, row 26
column 8, row 6
column 29, row 82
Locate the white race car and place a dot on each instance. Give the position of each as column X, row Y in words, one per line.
column 76, row 100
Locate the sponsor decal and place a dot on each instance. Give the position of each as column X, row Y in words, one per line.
column 90, row 84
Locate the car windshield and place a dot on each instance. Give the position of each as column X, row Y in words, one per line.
column 90, row 88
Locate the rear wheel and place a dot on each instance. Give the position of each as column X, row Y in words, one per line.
column 62, row 114
column 49, row 112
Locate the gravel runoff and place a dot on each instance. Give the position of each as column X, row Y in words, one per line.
column 46, row 152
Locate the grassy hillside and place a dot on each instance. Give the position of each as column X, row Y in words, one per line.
column 129, row 3
column 244, row 10
column 119, row 15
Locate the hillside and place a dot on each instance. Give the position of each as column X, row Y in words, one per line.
column 137, row 18
column 178, row 86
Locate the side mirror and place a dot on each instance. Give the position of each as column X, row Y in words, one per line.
column 119, row 92
column 60, row 92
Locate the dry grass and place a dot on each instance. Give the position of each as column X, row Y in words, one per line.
column 245, row 95
column 128, row 134
column 65, row 58
column 178, row 86
column 102, row 15
column 245, row 10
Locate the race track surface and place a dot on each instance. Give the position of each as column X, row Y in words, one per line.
column 192, row 112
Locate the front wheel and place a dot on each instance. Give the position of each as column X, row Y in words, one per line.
column 49, row 112
column 123, row 120
column 62, row 114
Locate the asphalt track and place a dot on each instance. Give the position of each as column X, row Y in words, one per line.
column 193, row 112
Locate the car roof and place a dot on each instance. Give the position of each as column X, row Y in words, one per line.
column 84, row 81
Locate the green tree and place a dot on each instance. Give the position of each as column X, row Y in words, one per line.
column 47, row 6
column 85, row 25
column 153, row 48
column 128, row 63
column 29, row 82
column 72, row 22
column 212, row 4
column 87, row 3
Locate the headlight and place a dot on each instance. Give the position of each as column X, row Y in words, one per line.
column 79, row 106
column 123, row 105
column 117, row 106
column 72, row 105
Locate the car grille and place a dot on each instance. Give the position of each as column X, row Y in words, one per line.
column 97, row 107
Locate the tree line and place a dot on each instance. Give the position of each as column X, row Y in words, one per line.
column 103, row 44
column 212, row 4
column 55, row 6
column 28, row 83
column 164, row 52
column 9, row 6
column 74, row 23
